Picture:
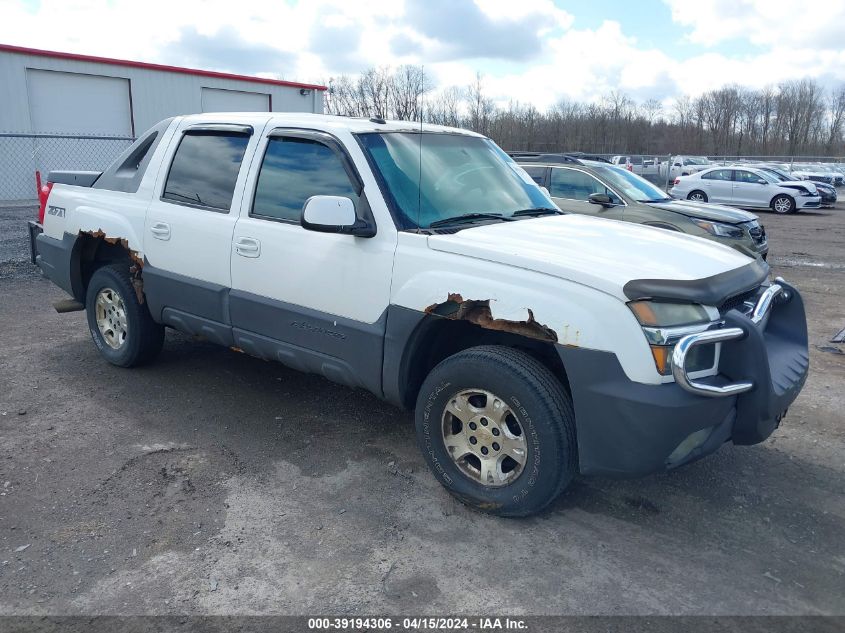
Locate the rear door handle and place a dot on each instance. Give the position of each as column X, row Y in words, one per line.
column 247, row 247
column 160, row 230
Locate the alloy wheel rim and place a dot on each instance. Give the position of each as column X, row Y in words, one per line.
column 484, row 437
column 697, row 197
column 110, row 314
column 782, row 205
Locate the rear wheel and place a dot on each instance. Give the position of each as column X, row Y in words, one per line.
column 697, row 196
column 783, row 204
column 120, row 324
column 497, row 430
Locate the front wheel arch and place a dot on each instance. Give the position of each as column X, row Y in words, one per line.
column 436, row 338
column 773, row 205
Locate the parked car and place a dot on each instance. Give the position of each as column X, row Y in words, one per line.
column 614, row 193
column 838, row 178
column 827, row 192
column 814, row 172
column 748, row 188
column 424, row 265
column 683, row 166
column 642, row 165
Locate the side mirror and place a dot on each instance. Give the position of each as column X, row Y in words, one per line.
column 333, row 214
column 600, row 198
column 760, row 181
column 545, row 191
column 676, row 165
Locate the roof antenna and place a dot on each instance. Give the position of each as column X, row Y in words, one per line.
column 419, row 179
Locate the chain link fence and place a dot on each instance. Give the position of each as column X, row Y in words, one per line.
column 22, row 154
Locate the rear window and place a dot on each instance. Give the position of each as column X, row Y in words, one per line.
column 205, row 169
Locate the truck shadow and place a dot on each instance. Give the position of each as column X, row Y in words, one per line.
column 204, row 395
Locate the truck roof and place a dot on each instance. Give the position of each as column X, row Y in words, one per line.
column 320, row 121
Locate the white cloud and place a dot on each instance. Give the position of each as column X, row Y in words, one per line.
column 316, row 39
column 770, row 23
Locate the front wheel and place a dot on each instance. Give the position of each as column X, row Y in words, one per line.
column 497, row 429
column 697, row 196
column 120, row 324
column 783, row 204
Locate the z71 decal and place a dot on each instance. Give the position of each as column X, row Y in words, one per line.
column 57, row 211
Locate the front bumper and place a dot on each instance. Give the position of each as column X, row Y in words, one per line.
column 628, row 429
column 808, row 202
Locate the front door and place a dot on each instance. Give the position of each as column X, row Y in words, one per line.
column 314, row 301
column 189, row 225
column 571, row 188
column 749, row 189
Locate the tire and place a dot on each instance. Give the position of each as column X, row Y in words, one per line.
column 783, row 204
column 534, row 411
column 129, row 337
column 697, row 196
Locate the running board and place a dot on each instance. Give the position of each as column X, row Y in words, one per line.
column 68, row 305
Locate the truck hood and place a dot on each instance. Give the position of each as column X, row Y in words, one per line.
column 599, row 253
column 706, row 211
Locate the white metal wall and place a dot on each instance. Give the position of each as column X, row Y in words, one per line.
column 155, row 94
column 68, row 96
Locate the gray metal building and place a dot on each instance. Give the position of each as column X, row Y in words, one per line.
column 51, row 102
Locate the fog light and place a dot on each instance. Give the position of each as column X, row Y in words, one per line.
column 692, row 442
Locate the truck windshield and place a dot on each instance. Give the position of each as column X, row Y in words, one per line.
column 460, row 176
column 630, row 184
column 696, row 160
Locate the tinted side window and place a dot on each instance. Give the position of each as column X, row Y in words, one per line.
column 294, row 169
column 576, row 185
column 718, row 174
column 205, row 169
column 538, row 174
column 746, row 176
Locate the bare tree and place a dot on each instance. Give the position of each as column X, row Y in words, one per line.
column 792, row 118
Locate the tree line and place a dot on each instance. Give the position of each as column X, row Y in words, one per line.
column 794, row 118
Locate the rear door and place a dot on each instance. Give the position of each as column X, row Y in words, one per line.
column 718, row 185
column 571, row 188
column 314, row 301
column 189, row 225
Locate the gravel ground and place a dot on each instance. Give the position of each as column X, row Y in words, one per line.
column 215, row 483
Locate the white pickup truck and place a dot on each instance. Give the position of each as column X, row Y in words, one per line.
column 683, row 166
column 424, row 265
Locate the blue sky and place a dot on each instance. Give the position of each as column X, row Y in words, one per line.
column 531, row 51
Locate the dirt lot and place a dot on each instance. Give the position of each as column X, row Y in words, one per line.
column 212, row 482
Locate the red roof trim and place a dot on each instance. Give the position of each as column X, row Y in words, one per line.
column 170, row 69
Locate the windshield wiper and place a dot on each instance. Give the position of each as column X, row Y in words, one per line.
column 537, row 211
column 468, row 217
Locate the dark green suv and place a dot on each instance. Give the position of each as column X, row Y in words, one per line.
column 605, row 191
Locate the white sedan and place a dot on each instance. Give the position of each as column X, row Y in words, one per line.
column 748, row 188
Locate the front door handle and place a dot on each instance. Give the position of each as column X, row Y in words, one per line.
column 247, row 247
column 160, row 230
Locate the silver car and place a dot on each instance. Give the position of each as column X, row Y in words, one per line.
column 748, row 188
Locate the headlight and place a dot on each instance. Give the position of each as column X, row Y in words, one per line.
column 664, row 323
column 808, row 193
column 719, row 229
